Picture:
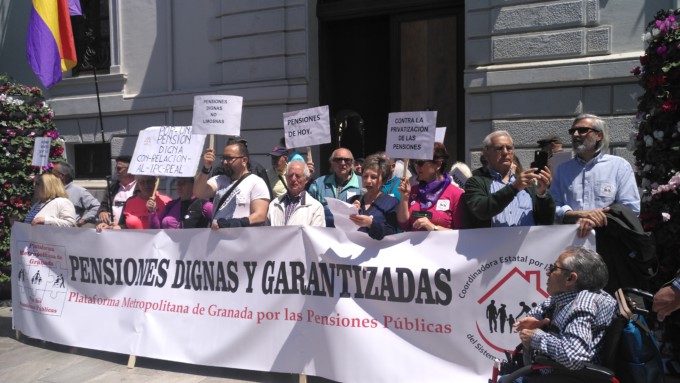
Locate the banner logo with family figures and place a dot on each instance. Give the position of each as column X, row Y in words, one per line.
column 497, row 310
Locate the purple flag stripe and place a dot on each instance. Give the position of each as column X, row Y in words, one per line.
column 42, row 51
column 74, row 8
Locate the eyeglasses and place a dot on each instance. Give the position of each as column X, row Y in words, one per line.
column 500, row 148
column 338, row 160
column 553, row 267
column 120, row 168
column 580, row 129
column 229, row 158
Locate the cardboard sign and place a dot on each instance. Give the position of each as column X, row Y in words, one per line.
column 217, row 114
column 411, row 135
column 439, row 134
column 307, row 127
column 41, row 151
column 167, row 151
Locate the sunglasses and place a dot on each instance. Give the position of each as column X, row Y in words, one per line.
column 120, row 168
column 554, row 267
column 581, row 130
column 338, row 160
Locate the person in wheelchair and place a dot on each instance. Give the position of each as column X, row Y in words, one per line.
column 570, row 325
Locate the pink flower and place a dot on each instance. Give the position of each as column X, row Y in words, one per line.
column 666, row 217
column 636, row 71
column 661, row 50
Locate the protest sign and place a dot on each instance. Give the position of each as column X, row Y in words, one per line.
column 217, row 114
column 439, row 134
column 41, row 151
column 307, row 127
column 309, row 300
column 167, row 151
column 411, row 135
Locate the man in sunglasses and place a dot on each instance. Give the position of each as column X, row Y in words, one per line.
column 111, row 207
column 240, row 198
column 578, row 309
column 497, row 197
column 587, row 185
column 341, row 184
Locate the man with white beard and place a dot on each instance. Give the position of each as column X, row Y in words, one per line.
column 585, row 186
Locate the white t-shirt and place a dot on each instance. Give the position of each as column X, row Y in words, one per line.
column 124, row 192
column 237, row 205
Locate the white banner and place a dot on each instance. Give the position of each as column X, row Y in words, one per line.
column 310, row 300
column 167, row 151
column 411, row 135
column 217, row 114
column 41, row 151
column 307, row 127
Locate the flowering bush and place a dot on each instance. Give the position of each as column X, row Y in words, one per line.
column 24, row 115
column 657, row 143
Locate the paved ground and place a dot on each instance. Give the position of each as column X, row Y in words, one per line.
column 30, row 360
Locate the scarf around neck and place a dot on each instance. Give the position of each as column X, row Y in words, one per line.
column 428, row 194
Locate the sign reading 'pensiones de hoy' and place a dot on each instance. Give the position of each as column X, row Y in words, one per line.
column 307, row 127
column 167, row 151
column 294, row 299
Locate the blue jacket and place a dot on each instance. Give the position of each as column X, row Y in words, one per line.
column 325, row 186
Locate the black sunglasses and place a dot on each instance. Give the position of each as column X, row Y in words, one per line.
column 342, row 159
column 553, row 267
column 581, row 130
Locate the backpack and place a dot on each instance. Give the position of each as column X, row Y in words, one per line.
column 638, row 358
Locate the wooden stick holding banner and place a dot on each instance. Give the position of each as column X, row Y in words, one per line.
column 131, row 361
column 211, row 142
column 309, row 154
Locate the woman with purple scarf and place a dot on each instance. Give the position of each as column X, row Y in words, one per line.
column 433, row 204
column 185, row 212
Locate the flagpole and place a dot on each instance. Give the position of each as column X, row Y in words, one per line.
column 99, row 105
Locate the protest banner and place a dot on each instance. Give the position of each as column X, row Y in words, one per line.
column 310, row 300
column 411, row 135
column 41, row 151
column 167, row 151
column 307, row 127
column 439, row 134
column 217, row 114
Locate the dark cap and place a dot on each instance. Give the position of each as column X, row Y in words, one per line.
column 549, row 139
column 278, row 151
column 237, row 140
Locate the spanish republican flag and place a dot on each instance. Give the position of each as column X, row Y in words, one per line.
column 49, row 43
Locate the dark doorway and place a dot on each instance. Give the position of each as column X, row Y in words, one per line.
column 378, row 57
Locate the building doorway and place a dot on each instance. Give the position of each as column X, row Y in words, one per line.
column 380, row 57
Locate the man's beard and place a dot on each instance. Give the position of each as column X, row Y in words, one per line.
column 228, row 171
column 223, row 170
column 585, row 145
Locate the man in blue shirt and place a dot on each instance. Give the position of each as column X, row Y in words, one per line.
column 585, row 186
column 341, row 184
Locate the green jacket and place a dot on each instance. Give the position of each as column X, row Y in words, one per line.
column 481, row 205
